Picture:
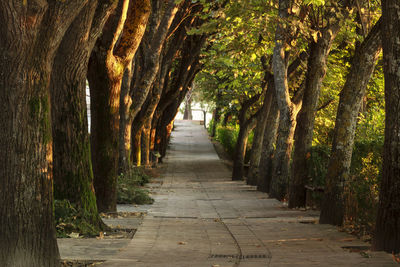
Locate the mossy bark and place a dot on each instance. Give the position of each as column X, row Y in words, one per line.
column 72, row 167
column 30, row 35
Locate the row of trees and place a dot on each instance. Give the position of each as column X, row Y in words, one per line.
column 139, row 62
column 267, row 65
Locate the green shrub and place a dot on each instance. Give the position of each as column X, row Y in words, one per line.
column 227, row 136
column 129, row 189
column 210, row 126
column 361, row 192
column 318, row 163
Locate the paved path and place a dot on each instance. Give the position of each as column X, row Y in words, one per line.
column 201, row 218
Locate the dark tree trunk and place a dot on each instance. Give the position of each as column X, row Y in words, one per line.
column 316, row 71
column 258, row 139
column 245, row 126
column 72, row 167
column 113, row 52
column 164, row 127
column 217, row 114
column 30, row 35
column 268, row 149
column 173, row 95
column 387, row 233
column 351, row 96
column 241, row 146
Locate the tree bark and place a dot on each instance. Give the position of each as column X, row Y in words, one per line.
column 241, row 146
column 30, row 35
column 258, row 139
column 316, row 71
column 113, row 52
column 245, row 126
column 267, row 155
column 124, row 163
column 387, row 233
column 187, row 115
column 351, row 96
column 72, row 167
column 284, row 143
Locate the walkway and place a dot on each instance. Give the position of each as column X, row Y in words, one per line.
column 201, row 218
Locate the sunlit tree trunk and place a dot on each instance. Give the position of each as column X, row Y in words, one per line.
column 30, row 34
column 163, row 14
column 351, row 96
column 387, row 233
column 124, row 163
column 113, row 52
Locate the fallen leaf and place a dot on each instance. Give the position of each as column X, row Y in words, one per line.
column 101, row 236
column 74, row 235
column 182, row 243
column 316, row 239
column 396, row 258
column 347, row 239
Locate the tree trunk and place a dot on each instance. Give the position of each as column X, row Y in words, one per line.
column 281, row 163
column 152, row 55
column 280, row 173
column 113, row 52
column 30, row 35
column 246, row 125
column 148, row 66
column 124, row 163
column 187, row 115
column 316, row 71
column 137, row 156
column 146, row 136
column 258, row 139
column 387, row 233
column 351, row 96
column 267, row 155
column 72, row 167
column 240, row 150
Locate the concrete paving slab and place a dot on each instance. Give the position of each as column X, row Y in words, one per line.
column 202, row 218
